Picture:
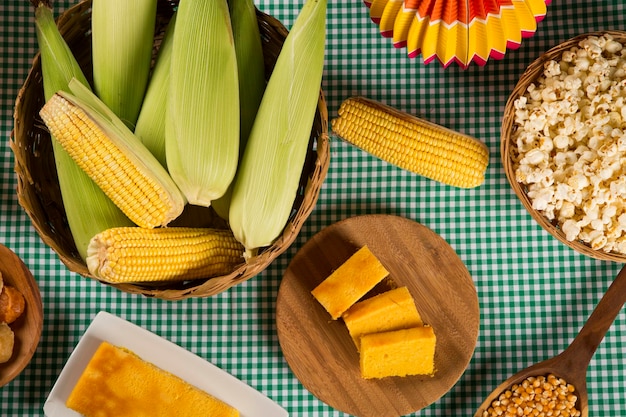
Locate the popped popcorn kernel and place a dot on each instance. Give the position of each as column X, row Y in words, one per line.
column 570, row 133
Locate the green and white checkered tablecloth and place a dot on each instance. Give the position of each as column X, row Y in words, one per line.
column 534, row 292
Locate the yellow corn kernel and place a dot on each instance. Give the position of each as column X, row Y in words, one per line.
column 88, row 210
column 537, row 396
column 411, row 143
column 134, row 254
column 139, row 186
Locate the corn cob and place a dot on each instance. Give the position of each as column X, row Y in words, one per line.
column 411, row 143
column 251, row 71
column 269, row 174
column 250, row 63
column 202, row 126
column 150, row 126
column 122, row 40
column 113, row 157
column 87, row 209
column 134, row 254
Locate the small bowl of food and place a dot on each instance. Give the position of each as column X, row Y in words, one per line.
column 564, row 143
column 21, row 315
column 150, row 373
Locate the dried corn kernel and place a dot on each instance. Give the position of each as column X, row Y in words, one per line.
column 536, row 396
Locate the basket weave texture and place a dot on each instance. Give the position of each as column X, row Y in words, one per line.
column 38, row 187
column 507, row 145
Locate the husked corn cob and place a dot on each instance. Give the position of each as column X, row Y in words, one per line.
column 134, row 254
column 87, row 208
column 410, row 143
column 115, row 159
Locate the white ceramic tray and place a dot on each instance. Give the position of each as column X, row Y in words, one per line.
column 162, row 353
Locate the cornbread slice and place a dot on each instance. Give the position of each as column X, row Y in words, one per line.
column 398, row 353
column 391, row 310
column 351, row 281
column 118, row 383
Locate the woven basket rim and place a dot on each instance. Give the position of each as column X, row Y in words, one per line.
column 530, row 75
column 74, row 22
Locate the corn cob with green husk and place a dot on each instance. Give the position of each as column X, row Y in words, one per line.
column 134, row 254
column 88, row 210
column 150, row 126
column 122, row 40
column 411, row 143
column 202, row 126
column 251, row 70
column 269, row 174
column 103, row 146
column 250, row 63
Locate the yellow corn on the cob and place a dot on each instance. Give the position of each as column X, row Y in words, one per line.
column 134, row 254
column 115, row 159
column 410, row 143
column 87, row 208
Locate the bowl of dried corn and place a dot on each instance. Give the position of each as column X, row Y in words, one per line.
column 563, row 139
column 39, row 191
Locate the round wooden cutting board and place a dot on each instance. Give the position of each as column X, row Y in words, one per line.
column 321, row 353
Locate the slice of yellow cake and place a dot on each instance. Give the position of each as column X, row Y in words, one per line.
column 351, row 281
column 391, row 310
column 118, row 383
column 398, row 353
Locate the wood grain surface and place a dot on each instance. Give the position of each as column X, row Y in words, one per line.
column 27, row 328
column 320, row 351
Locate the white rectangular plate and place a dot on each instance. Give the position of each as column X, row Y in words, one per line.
column 162, row 353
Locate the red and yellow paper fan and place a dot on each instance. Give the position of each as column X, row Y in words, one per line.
column 461, row 31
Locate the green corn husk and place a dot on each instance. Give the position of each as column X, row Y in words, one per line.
column 202, row 126
column 88, row 210
column 150, row 126
column 268, row 178
column 103, row 146
column 122, row 41
column 251, row 70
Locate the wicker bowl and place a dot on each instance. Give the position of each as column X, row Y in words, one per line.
column 507, row 145
column 37, row 182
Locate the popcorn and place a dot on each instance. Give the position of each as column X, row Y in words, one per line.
column 571, row 143
column 571, row 229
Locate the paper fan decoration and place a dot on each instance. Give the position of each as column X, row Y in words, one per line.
column 460, row 31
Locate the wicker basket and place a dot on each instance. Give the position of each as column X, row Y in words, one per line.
column 507, row 144
column 38, row 188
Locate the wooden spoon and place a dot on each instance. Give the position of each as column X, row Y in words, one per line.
column 572, row 363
